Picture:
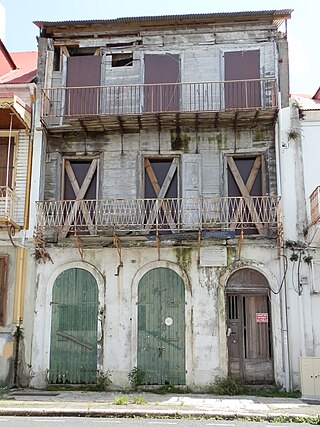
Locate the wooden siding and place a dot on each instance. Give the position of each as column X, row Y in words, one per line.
column 21, row 173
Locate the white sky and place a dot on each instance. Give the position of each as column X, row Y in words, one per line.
column 302, row 28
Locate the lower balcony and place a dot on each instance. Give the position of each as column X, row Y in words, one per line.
column 8, row 208
column 175, row 218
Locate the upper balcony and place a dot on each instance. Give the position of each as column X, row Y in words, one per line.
column 8, row 208
column 131, row 108
column 175, row 218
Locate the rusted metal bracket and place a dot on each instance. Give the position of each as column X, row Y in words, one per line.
column 240, row 244
column 78, row 244
column 11, row 232
column 117, row 244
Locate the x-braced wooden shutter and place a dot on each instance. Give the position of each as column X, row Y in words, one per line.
column 161, row 185
column 246, row 184
column 79, row 194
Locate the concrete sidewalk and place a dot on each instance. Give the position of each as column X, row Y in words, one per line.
column 103, row 404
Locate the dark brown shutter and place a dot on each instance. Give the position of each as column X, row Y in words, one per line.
column 242, row 65
column 83, row 71
column 3, row 288
column 159, row 70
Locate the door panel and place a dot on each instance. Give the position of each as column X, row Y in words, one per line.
column 73, row 351
column 161, row 327
column 84, row 76
column 242, row 65
column 249, row 327
column 159, row 70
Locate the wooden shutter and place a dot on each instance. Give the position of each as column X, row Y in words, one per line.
column 159, row 70
column 3, row 288
column 80, row 183
column 246, row 180
column 242, row 65
column 161, row 182
column 4, row 144
column 83, row 71
column 191, row 188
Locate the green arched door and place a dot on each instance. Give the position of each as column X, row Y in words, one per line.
column 73, row 350
column 161, row 327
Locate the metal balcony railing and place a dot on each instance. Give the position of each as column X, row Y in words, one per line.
column 8, row 205
column 147, row 216
column 158, row 98
column 315, row 205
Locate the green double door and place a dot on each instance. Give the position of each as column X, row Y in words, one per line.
column 161, row 327
column 73, row 351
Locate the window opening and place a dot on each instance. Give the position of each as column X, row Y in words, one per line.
column 56, row 59
column 122, row 60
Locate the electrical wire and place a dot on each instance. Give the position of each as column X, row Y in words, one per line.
column 283, row 278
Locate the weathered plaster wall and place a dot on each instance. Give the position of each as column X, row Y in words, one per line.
column 204, row 316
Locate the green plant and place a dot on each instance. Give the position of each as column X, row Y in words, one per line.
column 138, row 400
column 103, row 380
column 293, row 134
column 120, row 400
column 136, row 377
column 228, row 386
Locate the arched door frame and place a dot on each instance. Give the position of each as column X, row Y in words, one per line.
column 275, row 307
column 48, row 312
column 188, row 318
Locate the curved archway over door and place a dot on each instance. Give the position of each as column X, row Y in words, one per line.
column 73, row 349
column 161, row 327
column 249, row 327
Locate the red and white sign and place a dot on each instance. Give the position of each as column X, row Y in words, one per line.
column 262, row 318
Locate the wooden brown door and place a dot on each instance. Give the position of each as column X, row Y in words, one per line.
column 160, row 74
column 245, row 188
column 242, row 70
column 249, row 327
column 83, row 81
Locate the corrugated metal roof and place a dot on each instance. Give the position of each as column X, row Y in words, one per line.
column 276, row 14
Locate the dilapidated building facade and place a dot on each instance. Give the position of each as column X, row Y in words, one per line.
column 18, row 72
column 158, row 230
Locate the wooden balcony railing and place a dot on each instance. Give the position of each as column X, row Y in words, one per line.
column 149, row 216
column 8, row 205
column 68, row 102
column 315, row 205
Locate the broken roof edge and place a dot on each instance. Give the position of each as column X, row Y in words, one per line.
column 275, row 14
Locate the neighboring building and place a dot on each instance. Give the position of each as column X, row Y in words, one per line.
column 300, row 179
column 17, row 95
column 159, row 206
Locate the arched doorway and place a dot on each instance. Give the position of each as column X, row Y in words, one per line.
column 161, row 327
column 249, row 327
column 73, row 349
